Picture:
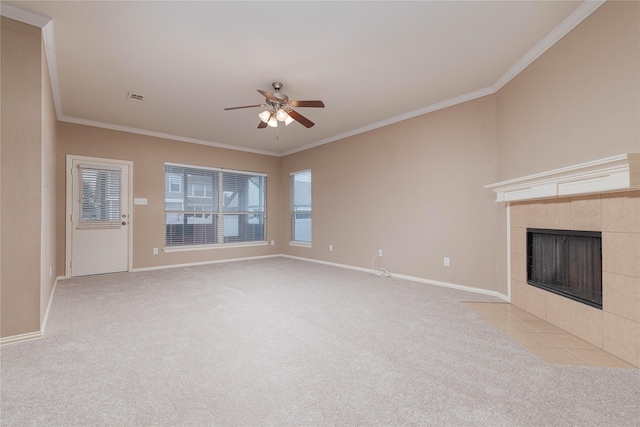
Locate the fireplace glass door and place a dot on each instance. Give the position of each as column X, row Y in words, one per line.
column 566, row 262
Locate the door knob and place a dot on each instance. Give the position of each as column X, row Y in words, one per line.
column 124, row 223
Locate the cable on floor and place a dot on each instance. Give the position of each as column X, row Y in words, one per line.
column 379, row 271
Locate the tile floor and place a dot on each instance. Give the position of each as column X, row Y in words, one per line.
column 548, row 342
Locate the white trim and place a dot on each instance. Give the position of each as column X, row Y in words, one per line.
column 194, row 264
column 616, row 173
column 14, row 339
column 162, row 135
column 411, row 278
column 171, row 249
column 508, row 251
column 300, row 244
column 582, row 12
column 405, row 116
column 332, row 264
column 69, row 207
column 68, row 213
column 48, row 39
column 39, row 334
column 569, row 23
column 302, row 171
column 46, row 313
column 248, row 173
column 26, row 16
column 453, row 286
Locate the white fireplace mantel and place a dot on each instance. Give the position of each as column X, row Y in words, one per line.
column 617, row 173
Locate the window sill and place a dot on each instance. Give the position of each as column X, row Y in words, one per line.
column 300, row 244
column 208, row 247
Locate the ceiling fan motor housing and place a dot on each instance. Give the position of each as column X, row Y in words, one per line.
column 281, row 97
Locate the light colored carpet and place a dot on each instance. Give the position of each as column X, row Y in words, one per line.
column 287, row 342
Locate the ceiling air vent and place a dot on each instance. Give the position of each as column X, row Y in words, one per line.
column 135, row 96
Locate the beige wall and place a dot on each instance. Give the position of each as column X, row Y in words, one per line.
column 580, row 101
column 148, row 155
column 21, row 177
column 414, row 190
column 48, row 271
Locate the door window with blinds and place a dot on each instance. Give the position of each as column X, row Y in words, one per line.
column 208, row 206
column 100, row 196
column 301, row 206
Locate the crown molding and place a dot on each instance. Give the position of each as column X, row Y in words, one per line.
column 570, row 22
column 580, row 14
column 617, row 173
column 470, row 96
column 162, row 135
column 583, row 11
column 22, row 15
column 48, row 39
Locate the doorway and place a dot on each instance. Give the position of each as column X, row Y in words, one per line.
column 98, row 216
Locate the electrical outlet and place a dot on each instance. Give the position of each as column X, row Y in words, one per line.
column 155, row 251
column 447, row 261
column 379, row 252
column 330, row 248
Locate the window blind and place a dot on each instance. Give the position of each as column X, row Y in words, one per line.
column 100, row 197
column 301, row 206
column 207, row 206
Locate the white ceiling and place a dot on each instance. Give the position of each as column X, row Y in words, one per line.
column 372, row 63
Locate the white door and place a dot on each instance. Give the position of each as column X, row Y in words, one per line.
column 99, row 219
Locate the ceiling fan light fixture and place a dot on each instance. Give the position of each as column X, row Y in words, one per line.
column 288, row 120
column 279, row 109
column 281, row 115
column 265, row 116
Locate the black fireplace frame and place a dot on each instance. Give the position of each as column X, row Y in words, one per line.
column 555, row 268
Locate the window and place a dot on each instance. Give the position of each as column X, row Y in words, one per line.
column 175, row 183
column 216, row 207
column 100, row 199
column 301, row 206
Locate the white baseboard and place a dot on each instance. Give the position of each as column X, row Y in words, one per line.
column 193, row 264
column 411, row 278
column 39, row 334
column 46, row 313
column 453, row 286
column 13, row 339
column 333, row 264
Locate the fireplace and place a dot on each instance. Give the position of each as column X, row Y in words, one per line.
column 601, row 196
column 567, row 263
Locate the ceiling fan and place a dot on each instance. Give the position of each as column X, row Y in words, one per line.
column 281, row 108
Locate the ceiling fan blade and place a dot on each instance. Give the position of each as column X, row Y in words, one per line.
column 262, row 125
column 318, row 104
column 300, row 118
column 245, row 106
column 269, row 96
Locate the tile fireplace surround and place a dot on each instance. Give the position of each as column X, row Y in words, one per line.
column 615, row 328
column 611, row 205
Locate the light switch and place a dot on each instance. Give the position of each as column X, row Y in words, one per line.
column 140, row 201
